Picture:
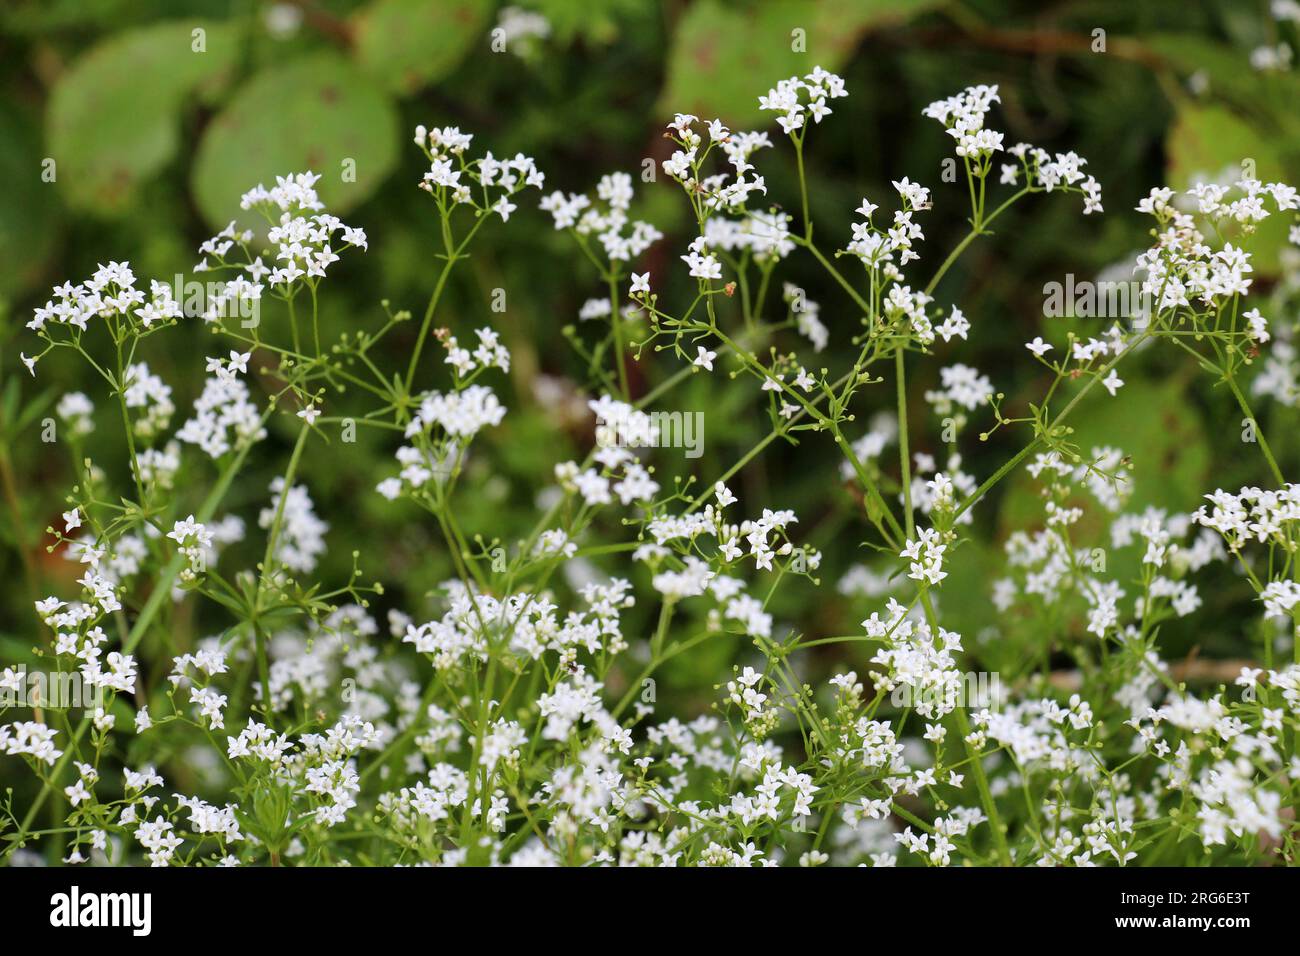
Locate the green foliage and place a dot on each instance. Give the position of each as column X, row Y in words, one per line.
column 339, row 123
column 408, row 44
column 114, row 119
column 719, row 48
column 29, row 218
column 153, row 141
column 1212, row 144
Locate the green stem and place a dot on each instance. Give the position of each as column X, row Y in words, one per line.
column 154, row 603
column 1259, row 432
column 428, row 319
column 904, row 455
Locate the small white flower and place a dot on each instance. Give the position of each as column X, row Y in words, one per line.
column 724, row 495
column 705, row 359
column 504, row 207
column 703, row 267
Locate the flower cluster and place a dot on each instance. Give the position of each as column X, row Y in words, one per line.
column 498, row 698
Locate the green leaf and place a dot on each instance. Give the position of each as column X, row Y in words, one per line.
column 1210, row 143
column 317, row 114
column 113, row 118
column 722, row 56
column 407, row 44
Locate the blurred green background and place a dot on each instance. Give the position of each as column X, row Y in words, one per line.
column 152, row 142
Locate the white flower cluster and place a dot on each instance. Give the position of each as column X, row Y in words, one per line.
column 963, row 117
column 918, row 660
column 451, row 178
column 1253, row 514
column 1260, row 516
column 29, row 738
column 489, row 353
column 765, row 235
column 193, row 540
column 521, row 725
column 926, row 556
column 798, row 99
column 303, row 234
column 719, row 192
column 1195, row 270
column 225, row 416
column 111, row 294
column 876, row 247
column 301, row 540
column 110, row 291
column 461, row 415
column 622, row 238
column 807, row 316
column 75, row 409
column 149, row 394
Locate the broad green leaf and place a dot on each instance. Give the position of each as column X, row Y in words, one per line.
column 407, row 44
column 319, row 114
column 113, row 118
column 1211, row 144
column 724, row 56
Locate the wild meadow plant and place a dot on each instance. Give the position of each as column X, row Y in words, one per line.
column 520, row 725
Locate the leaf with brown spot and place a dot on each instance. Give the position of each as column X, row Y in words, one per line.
column 337, row 114
column 407, row 44
column 113, row 119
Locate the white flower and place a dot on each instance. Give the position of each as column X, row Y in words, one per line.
column 503, row 207
column 703, row 267
column 704, row 358
column 955, row 325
